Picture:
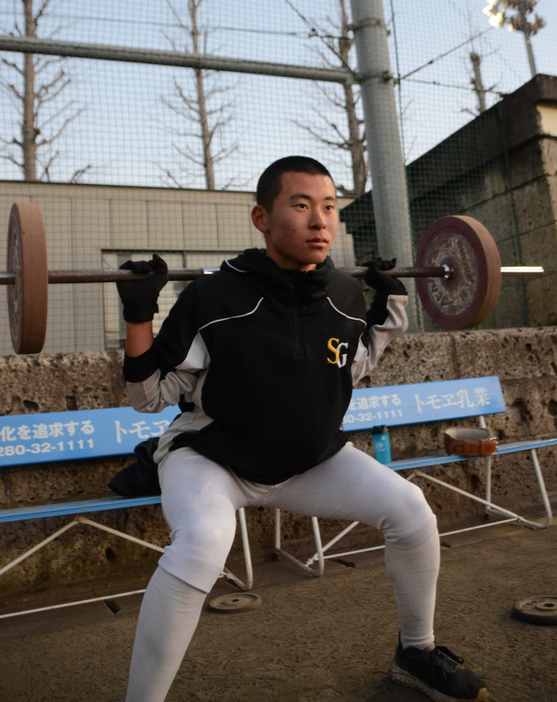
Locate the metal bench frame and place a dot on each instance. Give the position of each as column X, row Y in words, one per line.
column 315, row 564
column 112, row 438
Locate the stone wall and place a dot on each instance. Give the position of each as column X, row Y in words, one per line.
column 524, row 359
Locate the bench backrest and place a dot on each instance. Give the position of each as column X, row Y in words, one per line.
column 64, row 436
column 115, row 431
column 396, row 405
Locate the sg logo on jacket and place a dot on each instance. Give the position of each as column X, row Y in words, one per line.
column 335, row 346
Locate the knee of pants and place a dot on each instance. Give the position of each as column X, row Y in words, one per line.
column 412, row 520
column 199, row 548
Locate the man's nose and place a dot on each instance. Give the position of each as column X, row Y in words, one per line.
column 317, row 220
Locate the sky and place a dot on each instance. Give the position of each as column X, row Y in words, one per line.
column 127, row 137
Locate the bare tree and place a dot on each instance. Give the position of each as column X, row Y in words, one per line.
column 477, row 81
column 41, row 82
column 468, row 16
column 348, row 137
column 201, row 142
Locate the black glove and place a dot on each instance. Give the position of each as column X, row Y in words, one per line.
column 380, row 282
column 140, row 296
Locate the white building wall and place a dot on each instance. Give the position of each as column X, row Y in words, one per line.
column 83, row 222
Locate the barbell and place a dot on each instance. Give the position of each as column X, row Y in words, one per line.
column 458, row 272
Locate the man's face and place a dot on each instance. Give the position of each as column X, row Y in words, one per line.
column 303, row 221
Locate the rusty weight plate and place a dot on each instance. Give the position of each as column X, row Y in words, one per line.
column 537, row 610
column 468, row 297
column 28, row 296
column 240, row 602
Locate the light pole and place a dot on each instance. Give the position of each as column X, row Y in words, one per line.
column 499, row 16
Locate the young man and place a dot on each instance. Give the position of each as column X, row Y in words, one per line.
column 262, row 357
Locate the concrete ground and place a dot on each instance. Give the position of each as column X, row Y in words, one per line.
column 311, row 640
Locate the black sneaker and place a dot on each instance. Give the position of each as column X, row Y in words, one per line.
column 438, row 673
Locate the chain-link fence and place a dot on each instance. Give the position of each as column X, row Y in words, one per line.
column 129, row 156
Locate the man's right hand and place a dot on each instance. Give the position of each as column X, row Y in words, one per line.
column 139, row 297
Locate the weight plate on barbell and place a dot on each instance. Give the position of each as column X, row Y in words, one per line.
column 537, row 610
column 28, row 296
column 468, row 296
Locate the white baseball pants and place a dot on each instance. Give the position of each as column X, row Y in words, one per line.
column 200, row 500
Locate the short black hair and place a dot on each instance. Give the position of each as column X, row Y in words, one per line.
column 270, row 181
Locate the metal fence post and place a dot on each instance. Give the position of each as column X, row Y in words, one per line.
column 386, row 163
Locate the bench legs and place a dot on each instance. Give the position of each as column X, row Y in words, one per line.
column 226, row 573
column 543, row 492
column 491, row 507
column 247, row 556
column 321, row 551
column 36, row 548
column 319, row 557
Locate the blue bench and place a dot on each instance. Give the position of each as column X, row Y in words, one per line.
column 94, row 434
column 442, row 401
column 87, row 434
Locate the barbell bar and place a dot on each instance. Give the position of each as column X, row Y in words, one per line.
column 458, row 272
column 122, row 276
column 67, row 276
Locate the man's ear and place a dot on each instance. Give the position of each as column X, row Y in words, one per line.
column 259, row 218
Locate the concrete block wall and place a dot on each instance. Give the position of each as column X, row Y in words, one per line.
column 524, row 359
column 501, row 169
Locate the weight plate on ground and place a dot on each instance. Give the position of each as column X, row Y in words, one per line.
column 28, row 296
column 537, row 610
column 241, row 602
column 468, row 297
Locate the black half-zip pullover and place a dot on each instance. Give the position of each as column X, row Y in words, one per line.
column 267, row 357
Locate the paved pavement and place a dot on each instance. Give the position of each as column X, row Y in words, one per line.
column 311, row 640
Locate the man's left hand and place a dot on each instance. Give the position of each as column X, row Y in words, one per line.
column 379, row 281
